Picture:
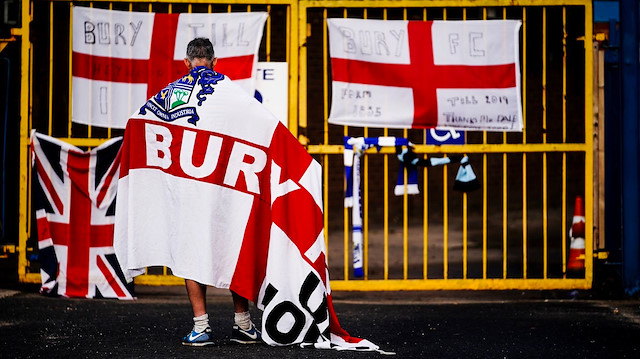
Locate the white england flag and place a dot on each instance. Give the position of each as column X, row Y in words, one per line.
column 122, row 58
column 425, row 74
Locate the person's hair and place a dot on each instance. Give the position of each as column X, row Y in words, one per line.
column 200, row 48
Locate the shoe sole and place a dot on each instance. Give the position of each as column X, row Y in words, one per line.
column 239, row 341
column 197, row 344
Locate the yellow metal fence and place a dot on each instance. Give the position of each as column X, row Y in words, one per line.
column 510, row 234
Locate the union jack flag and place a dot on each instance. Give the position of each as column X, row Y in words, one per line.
column 75, row 193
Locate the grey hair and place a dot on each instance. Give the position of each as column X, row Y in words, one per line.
column 200, row 48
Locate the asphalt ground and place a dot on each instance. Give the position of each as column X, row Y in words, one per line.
column 509, row 324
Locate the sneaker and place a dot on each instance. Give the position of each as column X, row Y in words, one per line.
column 242, row 336
column 198, row 339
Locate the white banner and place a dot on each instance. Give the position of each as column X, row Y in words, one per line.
column 121, row 58
column 426, row 74
column 272, row 88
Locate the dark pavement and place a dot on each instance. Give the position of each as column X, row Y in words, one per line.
column 510, row 324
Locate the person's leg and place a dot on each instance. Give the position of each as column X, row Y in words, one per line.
column 201, row 333
column 240, row 304
column 197, row 296
column 244, row 331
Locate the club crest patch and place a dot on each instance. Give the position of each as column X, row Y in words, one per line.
column 171, row 103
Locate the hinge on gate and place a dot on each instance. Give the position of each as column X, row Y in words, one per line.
column 304, row 140
column 5, row 42
column 598, row 37
column 6, row 250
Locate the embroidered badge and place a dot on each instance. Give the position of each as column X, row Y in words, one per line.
column 169, row 104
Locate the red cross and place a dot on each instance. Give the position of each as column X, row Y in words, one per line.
column 422, row 75
column 160, row 69
column 79, row 235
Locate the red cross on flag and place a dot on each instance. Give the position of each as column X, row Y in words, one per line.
column 74, row 199
column 424, row 74
column 121, row 58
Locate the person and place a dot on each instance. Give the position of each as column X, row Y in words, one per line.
column 200, row 53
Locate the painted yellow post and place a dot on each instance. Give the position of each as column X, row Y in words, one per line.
column 25, row 115
column 70, row 88
column 325, row 135
column 304, row 30
column 564, row 140
column 544, row 140
column 524, row 141
column 504, row 215
column 588, row 115
column 425, row 203
column 50, row 68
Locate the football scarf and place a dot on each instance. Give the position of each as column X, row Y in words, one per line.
column 355, row 147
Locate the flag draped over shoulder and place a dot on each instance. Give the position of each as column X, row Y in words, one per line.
column 218, row 190
column 74, row 193
column 424, row 74
column 121, row 58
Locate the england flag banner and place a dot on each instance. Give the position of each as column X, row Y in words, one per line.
column 122, row 58
column 74, row 194
column 220, row 191
column 462, row 75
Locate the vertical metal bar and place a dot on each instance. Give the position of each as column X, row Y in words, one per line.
column 588, row 191
column 109, row 128
column 25, row 98
column 464, row 209
column 50, row 129
column 293, row 61
column 386, row 197
column 405, row 229
column 30, row 124
column 288, row 43
column 445, row 208
column 524, row 215
column 365, row 204
column 544, row 140
column 484, row 193
column 70, row 66
column 268, row 36
column 445, row 223
column 89, row 127
column 425, row 203
column 305, row 29
column 504, row 216
column 504, row 194
column 296, row 57
column 405, row 206
column 524, row 141
column 564, row 140
column 425, row 221
column 325, row 137
column 346, row 211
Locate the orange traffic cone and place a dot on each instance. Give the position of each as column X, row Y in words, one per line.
column 576, row 248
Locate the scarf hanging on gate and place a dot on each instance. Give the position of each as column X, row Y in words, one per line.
column 354, row 147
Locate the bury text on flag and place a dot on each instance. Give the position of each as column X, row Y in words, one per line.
column 121, row 58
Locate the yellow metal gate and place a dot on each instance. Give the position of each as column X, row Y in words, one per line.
column 510, row 234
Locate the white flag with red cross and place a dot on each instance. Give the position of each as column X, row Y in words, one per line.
column 424, row 74
column 122, row 58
